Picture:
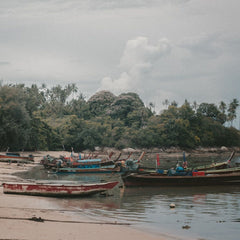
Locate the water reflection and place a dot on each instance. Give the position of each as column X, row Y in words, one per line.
column 206, row 210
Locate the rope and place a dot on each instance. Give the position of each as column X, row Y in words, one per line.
column 39, row 219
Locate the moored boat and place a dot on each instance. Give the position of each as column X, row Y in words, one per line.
column 15, row 157
column 125, row 166
column 195, row 179
column 57, row 189
column 217, row 166
column 224, row 170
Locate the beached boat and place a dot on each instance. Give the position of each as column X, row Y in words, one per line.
column 57, row 189
column 15, row 157
column 194, row 179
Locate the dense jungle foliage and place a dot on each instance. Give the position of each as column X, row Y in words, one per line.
column 38, row 118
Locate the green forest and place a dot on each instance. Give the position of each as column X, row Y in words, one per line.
column 57, row 118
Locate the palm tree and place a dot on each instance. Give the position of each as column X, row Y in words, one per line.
column 166, row 102
column 222, row 107
column 232, row 110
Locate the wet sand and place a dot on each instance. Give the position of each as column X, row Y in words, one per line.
column 57, row 224
column 17, row 212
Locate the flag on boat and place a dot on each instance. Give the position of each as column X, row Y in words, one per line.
column 184, row 161
column 158, row 160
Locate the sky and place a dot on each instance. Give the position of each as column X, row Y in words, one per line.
column 160, row 49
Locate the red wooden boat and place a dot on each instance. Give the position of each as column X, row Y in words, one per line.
column 57, row 189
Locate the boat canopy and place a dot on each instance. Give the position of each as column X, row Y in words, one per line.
column 12, row 154
column 89, row 161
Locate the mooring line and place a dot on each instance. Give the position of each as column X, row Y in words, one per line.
column 39, row 219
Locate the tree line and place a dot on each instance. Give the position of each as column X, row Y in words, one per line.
column 41, row 118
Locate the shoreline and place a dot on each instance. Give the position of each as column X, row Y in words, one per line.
column 18, row 210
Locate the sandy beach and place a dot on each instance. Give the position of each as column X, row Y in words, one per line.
column 18, row 213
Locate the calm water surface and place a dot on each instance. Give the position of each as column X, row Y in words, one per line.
column 201, row 212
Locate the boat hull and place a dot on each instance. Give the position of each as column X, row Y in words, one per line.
column 86, row 170
column 57, row 190
column 148, row 180
column 223, row 171
column 7, row 158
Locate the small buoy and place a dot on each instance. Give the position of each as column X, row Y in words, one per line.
column 186, row 227
column 172, row 205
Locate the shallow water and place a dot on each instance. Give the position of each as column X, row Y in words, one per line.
column 201, row 212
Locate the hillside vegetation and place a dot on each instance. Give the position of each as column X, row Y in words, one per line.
column 39, row 118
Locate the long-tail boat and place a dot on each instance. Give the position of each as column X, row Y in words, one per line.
column 57, row 189
column 193, row 179
column 16, row 157
column 222, row 171
column 218, row 165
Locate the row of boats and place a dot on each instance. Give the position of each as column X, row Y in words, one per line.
column 213, row 174
column 91, row 164
column 132, row 173
column 73, row 164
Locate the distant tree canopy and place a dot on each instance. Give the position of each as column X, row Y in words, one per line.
column 38, row 118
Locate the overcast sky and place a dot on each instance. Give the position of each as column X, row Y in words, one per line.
column 160, row 49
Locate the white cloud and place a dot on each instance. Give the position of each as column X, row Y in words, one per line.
column 119, row 85
column 139, row 56
column 140, row 51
